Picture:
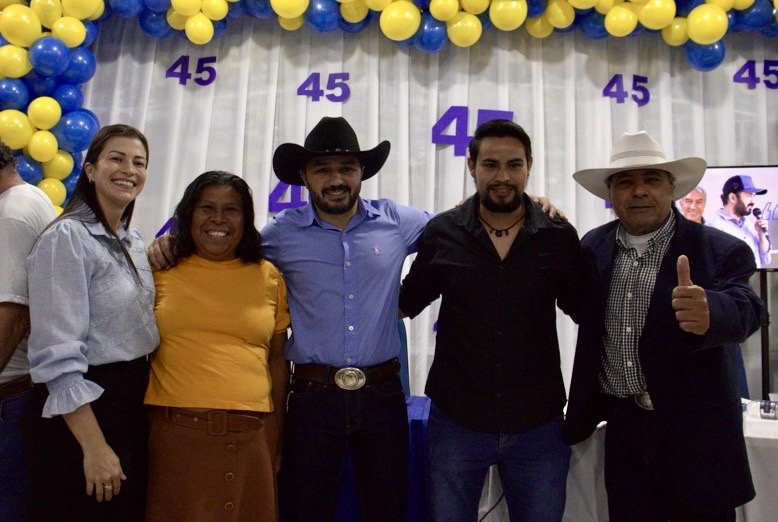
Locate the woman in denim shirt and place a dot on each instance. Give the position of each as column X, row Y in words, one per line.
column 92, row 327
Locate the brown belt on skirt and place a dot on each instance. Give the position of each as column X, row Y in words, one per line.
column 215, row 422
column 15, row 387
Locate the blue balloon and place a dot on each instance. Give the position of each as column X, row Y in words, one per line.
column 81, row 68
column 75, row 130
column 14, row 94
column 486, row 21
column 431, row 36
column 357, row 27
column 68, row 96
column 593, row 26
column 70, row 181
column 127, row 8
column 705, row 57
column 76, row 161
column 755, row 17
column 535, row 8
column 733, row 26
column 30, row 170
column 39, row 85
column 219, row 27
column 422, row 4
column 322, row 15
column 258, row 8
column 684, row 7
column 158, row 6
column 155, row 24
column 3, row 41
column 92, row 30
column 771, row 29
column 107, row 12
column 49, row 56
column 235, row 9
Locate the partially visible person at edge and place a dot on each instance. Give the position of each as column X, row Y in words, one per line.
column 693, row 205
column 24, row 212
column 341, row 257
column 219, row 378
column 668, row 298
column 92, row 319
column 736, row 217
column 497, row 390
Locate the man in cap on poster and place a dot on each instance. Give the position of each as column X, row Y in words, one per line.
column 739, row 218
column 667, row 300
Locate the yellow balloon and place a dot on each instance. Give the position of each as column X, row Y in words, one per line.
column 583, row 4
column 377, row 5
column 400, row 20
column 743, row 4
column 707, row 24
column 724, row 4
column 354, row 11
column 507, row 15
column 603, row 6
column 44, row 112
column 54, row 189
column 559, row 13
column 20, row 25
column 539, row 27
column 657, row 14
column 475, row 7
column 675, row 32
column 289, row 8
column 444, row 10
column 80, row 9
column 69, row 30
column 15, row 128
column 175, row 20
column 186, row 7
column 291, row 24
column 464, row 29
column 48, row 11
column 59, row 167
column 620, row 21
column 58, row 210
column 199, row 29
column 215, row 9
column 98, row 12
column 43, row 146
column 14, row 61
column 6, row 3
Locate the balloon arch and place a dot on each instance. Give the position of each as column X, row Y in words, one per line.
column 45, row 56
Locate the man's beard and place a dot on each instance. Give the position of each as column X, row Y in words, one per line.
column 742, row 210
column 335, row 208
column 505, row 206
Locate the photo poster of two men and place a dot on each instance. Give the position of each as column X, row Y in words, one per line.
column 742, row 201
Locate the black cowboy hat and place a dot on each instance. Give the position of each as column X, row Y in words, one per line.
column 330, row 137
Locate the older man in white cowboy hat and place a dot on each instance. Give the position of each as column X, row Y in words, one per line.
column 655, row 356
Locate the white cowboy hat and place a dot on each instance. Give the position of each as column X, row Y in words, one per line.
column 639, row 151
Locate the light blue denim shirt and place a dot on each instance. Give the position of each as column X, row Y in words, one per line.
column 86, row 308
column 344, row 285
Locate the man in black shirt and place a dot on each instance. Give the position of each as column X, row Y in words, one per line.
column 501, row 267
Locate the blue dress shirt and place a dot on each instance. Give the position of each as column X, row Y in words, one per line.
column 343, row 285
column 86, row 308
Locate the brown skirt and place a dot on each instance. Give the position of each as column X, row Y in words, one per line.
column 209, row 466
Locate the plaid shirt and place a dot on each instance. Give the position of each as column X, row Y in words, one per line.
column 632, row 283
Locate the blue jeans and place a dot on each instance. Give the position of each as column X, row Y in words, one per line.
column 13, row 469
column 321, row 423
column 533, row 468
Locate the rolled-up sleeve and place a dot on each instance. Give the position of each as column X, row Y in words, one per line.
column 59, row 272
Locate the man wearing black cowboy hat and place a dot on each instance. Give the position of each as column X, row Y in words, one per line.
column 655, row 355
column 341, row 256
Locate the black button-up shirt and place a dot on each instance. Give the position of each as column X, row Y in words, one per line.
column 497, row 364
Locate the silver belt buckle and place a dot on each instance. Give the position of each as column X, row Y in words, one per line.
column 644, row 401
column 350, row 378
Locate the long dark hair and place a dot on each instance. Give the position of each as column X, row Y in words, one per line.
column 250, row 246
column 85, row 193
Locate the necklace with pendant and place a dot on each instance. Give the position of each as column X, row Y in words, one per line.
column 498, row 232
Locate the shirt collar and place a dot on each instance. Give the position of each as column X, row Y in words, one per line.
column 723, row 214
column 365, row 210
column 93, row 225
column 660, row 235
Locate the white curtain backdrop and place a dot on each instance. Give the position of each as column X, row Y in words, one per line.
column 553, row 87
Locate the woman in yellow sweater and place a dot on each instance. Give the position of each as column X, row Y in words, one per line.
column 218, row 380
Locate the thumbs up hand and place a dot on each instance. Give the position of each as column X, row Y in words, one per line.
column 689, row 302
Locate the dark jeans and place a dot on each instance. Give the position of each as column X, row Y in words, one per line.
column 13, row 468
column 637, row 477
column 321, row 423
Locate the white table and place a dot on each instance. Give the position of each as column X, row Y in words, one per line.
column 588, row 502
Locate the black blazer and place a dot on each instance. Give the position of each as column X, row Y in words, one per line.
column 691, row 379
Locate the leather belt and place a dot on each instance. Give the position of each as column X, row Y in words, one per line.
column 348, row 378
column 215, row 422
column 15, row 387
